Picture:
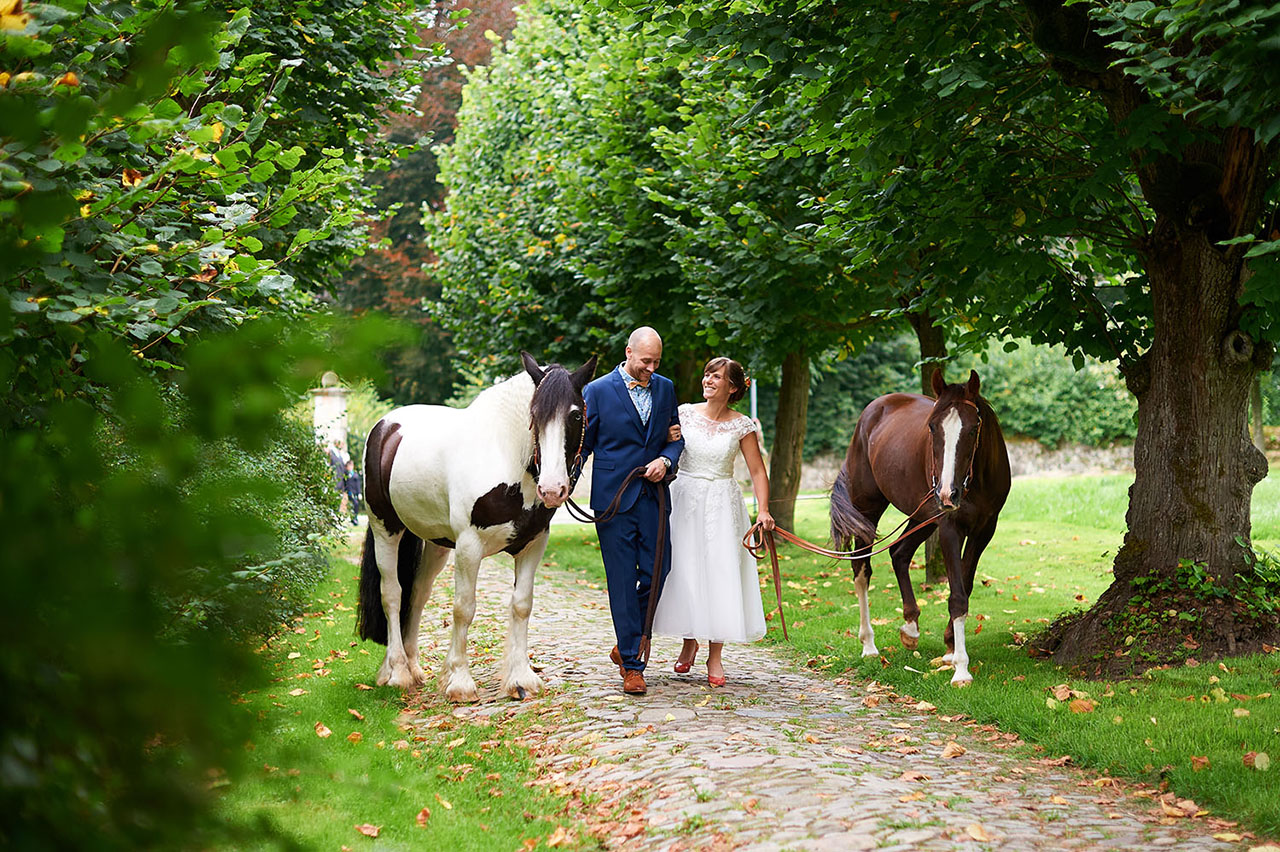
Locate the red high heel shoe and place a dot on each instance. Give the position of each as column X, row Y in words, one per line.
column 681, row 667
column 715, row 681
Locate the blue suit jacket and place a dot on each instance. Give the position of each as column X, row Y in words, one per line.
column 620, row 442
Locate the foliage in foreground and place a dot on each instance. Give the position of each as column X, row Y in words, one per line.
column 122, row 544
column 168, row 169
column 1050, row 554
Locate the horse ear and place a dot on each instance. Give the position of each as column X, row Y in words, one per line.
column 973, row 385
column 937, row 382
column 584, row 374
column 531, row 367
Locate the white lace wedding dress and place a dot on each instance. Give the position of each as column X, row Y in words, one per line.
column 713, row 590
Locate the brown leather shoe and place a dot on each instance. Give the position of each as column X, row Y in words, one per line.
column 616, row 659
column 633, row 682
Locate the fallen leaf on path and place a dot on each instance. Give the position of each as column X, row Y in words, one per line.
column 369, row 830
column 870, row 700
column 1058, row 800
column 322, row 731
column 924, row 707
column 1228, row 837
column 912, row 797
column 952, row 749
column 423, row 816
column 978, row 833
column 913, row 775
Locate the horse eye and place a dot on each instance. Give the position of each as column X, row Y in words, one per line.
column 577, row 415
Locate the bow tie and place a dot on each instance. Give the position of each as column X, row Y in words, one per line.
column 635, row 383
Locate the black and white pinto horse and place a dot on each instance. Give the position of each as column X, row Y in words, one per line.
column 480, row 480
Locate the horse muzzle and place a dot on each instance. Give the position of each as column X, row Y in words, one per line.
column 553, row 498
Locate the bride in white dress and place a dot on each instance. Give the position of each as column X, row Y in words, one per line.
column 713, row 590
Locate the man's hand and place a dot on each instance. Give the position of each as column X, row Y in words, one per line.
column 656, row 470
column 673, row 434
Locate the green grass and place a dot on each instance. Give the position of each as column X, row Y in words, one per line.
column 310, row 791
column 1052, row 552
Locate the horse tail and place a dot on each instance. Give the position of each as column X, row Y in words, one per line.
column 847, row 523
column 371, row 619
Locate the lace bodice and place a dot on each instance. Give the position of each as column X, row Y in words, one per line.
column 710, row 447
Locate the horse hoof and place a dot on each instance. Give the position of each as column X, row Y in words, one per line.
column 461, row 695
column 960, row 682
column 908, row 641
column 870, row 652
column 520, row 692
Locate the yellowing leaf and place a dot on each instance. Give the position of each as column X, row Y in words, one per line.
column 558, row 837
column 1058, row 800
column 1228, row 837
column 369, row 830
column 1082, row 705
column 978, row 833
column 130, row 178
column 952, row 749
column 322, row 731
column 444, row 803
column 423, row 816
column 355, row 737
column 912, row 797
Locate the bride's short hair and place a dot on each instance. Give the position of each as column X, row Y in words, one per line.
column 733, row 372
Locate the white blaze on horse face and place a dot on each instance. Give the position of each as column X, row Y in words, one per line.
column 553, row 476
column 865, row 633
column 959, row 657
column 950, row 441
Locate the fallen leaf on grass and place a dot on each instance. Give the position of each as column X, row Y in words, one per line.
column 558, row 837
column 1198, row 763
column 444, row 803
column 294, row 655
column 363, row 686
column 1257, row 760
column 359, row 716
column 296, row 692
column 322, row 731
column 1082, row 705
column 952, row 749
column 369, row 830
column 423, row 816
column 978, row 833
column 355, row 737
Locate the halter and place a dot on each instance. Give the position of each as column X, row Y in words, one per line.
column 964, row 485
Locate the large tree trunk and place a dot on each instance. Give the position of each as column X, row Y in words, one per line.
column 1195, row 468
column 932, row 340
column 788, row 438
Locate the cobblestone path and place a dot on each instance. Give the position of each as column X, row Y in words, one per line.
column 782, row 759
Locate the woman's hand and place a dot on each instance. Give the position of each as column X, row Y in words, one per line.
column 673, row 434
column 765, row 519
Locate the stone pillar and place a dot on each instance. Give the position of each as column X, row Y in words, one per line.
column 329, row 412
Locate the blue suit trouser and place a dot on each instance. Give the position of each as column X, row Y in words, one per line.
column 627, row 546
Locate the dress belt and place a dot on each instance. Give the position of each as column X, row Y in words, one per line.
column 707, row 476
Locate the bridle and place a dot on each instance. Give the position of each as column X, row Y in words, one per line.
column 534, row 467
column 968, row 476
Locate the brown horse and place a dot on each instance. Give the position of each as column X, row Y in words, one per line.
column 943, row 458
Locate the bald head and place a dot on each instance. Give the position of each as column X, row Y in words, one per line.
column 644, row 353
column 644, row 334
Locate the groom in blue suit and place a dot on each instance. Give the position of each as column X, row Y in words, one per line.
column 629, row 413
